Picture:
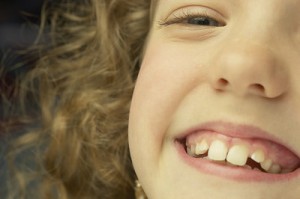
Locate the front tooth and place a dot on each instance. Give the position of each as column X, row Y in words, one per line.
column 266, row 165
column 201, row 148
column 258, row 156
column 217, row 150
column 238, row 155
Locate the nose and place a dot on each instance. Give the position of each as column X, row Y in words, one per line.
column 248, row 69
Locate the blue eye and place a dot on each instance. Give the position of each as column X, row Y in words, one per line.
column 194, row 20
column 202, row 21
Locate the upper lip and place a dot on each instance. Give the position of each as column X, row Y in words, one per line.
column 242, row 131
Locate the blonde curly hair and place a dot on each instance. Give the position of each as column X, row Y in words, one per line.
column 81, row 87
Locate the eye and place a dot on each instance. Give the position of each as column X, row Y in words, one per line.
column 195, row 17
column 198, row 20
column 202, row 21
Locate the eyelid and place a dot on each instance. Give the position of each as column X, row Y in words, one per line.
column 180, row 14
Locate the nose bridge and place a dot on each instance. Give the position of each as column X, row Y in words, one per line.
column 257, row 31
column 249, row 66
column 262, row 24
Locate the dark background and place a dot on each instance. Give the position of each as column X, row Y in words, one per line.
column 19, row 21
column 14, row 15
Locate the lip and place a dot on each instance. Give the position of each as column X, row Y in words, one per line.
column 232, row 172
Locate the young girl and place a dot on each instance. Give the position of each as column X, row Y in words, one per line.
column 214, row 113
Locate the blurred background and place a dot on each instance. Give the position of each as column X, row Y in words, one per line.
column 14, row 15
column 19, row 20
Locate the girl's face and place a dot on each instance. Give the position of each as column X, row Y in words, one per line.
column 216, row 109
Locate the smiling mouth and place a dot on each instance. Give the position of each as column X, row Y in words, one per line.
column 245, row 158
column 253, row 154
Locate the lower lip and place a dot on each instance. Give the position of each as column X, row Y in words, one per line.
column 232, row 172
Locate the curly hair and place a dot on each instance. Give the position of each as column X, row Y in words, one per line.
column 80, row 88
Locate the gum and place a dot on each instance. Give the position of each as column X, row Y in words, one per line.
column 276, row 152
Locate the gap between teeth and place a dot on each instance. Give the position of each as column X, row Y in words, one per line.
column 237, row 155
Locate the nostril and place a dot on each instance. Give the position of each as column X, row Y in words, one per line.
column 223, row 82
column 257, row 88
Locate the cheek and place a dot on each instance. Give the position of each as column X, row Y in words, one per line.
column 167, row 74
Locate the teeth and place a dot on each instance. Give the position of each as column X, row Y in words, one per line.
column 217, row 151
column 238, row 155
column 202, row 148
column 275, row 168
column 258, row 156
column 191, row 150
column 266, row 165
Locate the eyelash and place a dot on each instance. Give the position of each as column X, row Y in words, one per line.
column 186, row 17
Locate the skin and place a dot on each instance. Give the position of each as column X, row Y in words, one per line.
column 192, row 74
